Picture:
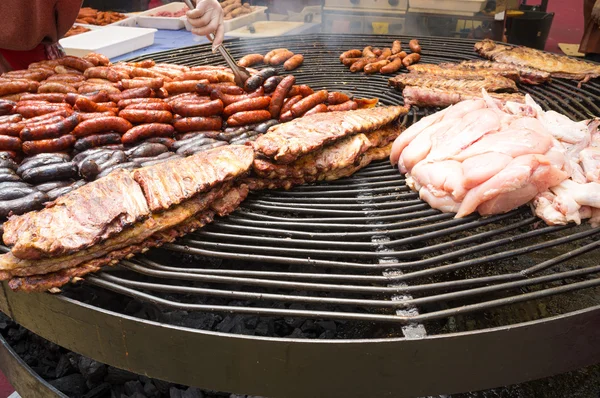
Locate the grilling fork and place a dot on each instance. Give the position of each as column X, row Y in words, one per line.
column 240, row 73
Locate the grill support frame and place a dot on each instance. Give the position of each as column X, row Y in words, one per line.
column 275, row 367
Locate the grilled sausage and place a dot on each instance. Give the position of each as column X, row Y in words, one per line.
column 153, row 83
column 294, row 62
column 396, row 47
column 280, row 57
column 89, row 169
column 350, row 61
column 271, row 83
column 11, row 129
column 31, row 111
column 317, row 109
column 302, row 89
column 210, row 108
column 94, row 115
column 10, row 155
column 230, row 99
column 138, row 116
column 8, row 164
column 361, row 63
column 270, row 54
column 254, row 82
column 212, row 75
column 22, row 205
column 151, row 106
column 66, row 77
column 145, row 131
column 50, row 172
column 16, row 192
column 385, row 54
column 101, row 124
column 302, row 106
column 10, row 119
column 49, row 97
column 145, row 150
column 37, row 162
column 377, row 51
column 197, row 141
column 126, row 166
column 8, row 143
column 335, row 97
column 207, row 88
column 346, row 106
column 63, row 143
column 375, row 66
column 288, row 104
column 95, row 96
column 201, row 148
column 96, row 140
column 9, row 87
column 199, row 123
column 7, row 175
column 414, row 46
column 49, row 186
column 281, row 92
column 81, row 64
column 50, row 130
column 411, row 59
column 350, row 54
column 250, row 60
column 367, row 52
column 58, row 192
column 392, row 67
column 56, row 87
column 364, row 103
column 249, row 104
column 248, row 117
column 166, row 141
column 127, row 102
column 185, row 86
column 94, row 88
column 103, row 72
column 141, row 92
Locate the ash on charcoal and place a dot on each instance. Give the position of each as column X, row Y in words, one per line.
column 71, row 384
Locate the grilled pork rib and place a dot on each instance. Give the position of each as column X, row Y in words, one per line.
column 455, row 71
column 526, row 75
column 287, row 142
column 425, row 96
column 465, row 83
column 557, row 65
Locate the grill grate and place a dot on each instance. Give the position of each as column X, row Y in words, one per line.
column 365, row 248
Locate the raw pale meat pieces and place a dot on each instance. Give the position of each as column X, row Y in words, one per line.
column 487, row 157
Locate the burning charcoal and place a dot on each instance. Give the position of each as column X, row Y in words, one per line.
column 131, row 387
column 118, row 376
column 91, row 370
column 192, row 392
column 150, row 390
column 99, row 391
column 72, row 384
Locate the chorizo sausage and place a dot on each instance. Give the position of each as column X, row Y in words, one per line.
column 360, row 64
column 96, row 140
column 147, row 63
column 294, row 62
column 198, row 123
column 346, row 106
column 10, row 119
column 250, row 60
column 350, row 54
column 302, row 89
column 81, row 64
column 151, row 106
column 146, row 131
column 63, row 143
column 411, row 59
column 375, row 66
column 248, row 117
column 280, row 57
column 50, row 130
column 302, row 106
column 317, row 109
column 396, row 47
column 392, row 67
column 93, row 88
column 367, row 52
column 10, row 143
column 30, row 111
column 66, row 78
column 153, row 83
column 286, row 117
column 414, row 46
column 230, row 99
column 84, row 104
column 281, row 92
column 210, row 108
column 270, row 54
column 184, row 86
column 335, row 97
column 101, row 124
column 350, row 61
column 288, row 104
column 11, row 129
column 8, row 87
column 95, row 96
column 141, row 92
column 249, row 104
column 103, row 72
column 207, row 88
column 95, row 115
column 138, row 116
column 50, row 172
column 49, row 97
column 377, row 51
column 212, row 76
column 387, row 52
column 22, row 205
column 126, row 102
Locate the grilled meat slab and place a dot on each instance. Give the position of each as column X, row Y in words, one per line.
column 455, row 71
column 556, row 65
column 466, row 83
column 170, row 183
column 287, row 142
column 425, row 96
column 526, row 75
column 79, row 219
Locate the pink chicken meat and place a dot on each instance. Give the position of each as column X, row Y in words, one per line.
column 483, row 156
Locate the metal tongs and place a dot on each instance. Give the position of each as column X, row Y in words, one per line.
column 240, row 73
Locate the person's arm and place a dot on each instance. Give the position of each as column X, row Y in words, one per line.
column 207, row 18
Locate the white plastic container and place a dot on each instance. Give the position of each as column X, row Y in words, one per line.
column 147, row 20
column 258, row 14
column 111, row 41
column 265, row 29
column 130, row 21
column 456, row 6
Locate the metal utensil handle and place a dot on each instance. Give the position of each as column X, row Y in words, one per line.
column 228, row 58
column 190, row 3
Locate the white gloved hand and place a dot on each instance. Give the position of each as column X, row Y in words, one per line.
column 207, row 18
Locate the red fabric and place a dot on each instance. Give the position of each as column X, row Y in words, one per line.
column 22, row 59
column 5, row 388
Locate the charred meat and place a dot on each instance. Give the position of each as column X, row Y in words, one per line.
column 426, row 96
column 465, row 83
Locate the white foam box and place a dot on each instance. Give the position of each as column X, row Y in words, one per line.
column 455, row 6
column 258, row 14
column 147, row 20
column 111, row 41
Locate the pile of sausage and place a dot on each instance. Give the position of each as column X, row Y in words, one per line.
column 235, row 8
column 275, row 57
column 77, row 30
column 91, row 16
column 387, row 60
